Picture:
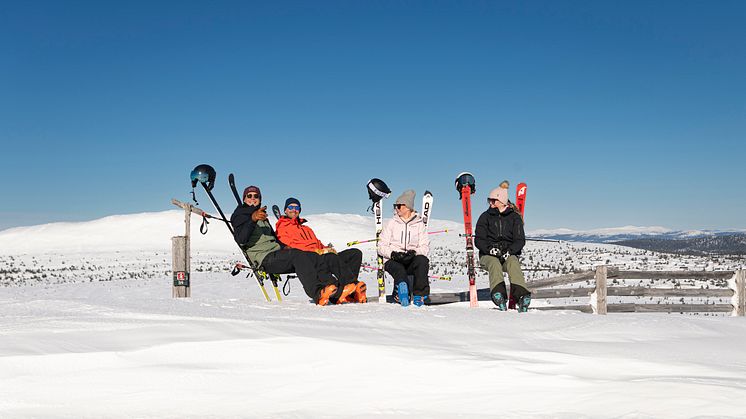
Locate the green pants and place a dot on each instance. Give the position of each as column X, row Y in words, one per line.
column 512, row 266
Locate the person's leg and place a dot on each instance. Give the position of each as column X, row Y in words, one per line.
column 420, row 267
column 351, row 260
column 519, row 291
column 399, row 273
column 304, row 264
column 495, row 270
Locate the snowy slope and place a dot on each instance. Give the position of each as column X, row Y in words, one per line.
column 127, row 349
column 88, row 328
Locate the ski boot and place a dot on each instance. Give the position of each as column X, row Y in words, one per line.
column 499, row 299
column 325, row 294
column 347, row 295
column 523, row 303
column 419, row 300
column 361, row 292
column 403, row 291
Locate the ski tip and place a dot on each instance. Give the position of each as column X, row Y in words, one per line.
column 428, row 193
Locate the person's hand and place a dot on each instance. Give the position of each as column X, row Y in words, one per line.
column 330, row 250
column 398, row 256
column 495, row 251
column 408, row 257
column 260, row 214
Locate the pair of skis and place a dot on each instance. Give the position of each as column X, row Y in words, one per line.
column 466, row 186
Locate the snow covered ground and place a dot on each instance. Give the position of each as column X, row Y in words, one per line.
column 88, row 328
column 127, row 349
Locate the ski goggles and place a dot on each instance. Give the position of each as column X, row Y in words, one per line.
column 294, row 207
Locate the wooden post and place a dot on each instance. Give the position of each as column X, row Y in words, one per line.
column 182, row 252
column 600, row 293
column 181, row 286
column 738, row 284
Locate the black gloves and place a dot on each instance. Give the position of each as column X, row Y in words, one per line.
column 500, row 251
column 404, row 258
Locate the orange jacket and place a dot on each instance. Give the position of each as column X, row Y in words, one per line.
column 292, row 233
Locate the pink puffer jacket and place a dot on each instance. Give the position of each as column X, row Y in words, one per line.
column 400, row 236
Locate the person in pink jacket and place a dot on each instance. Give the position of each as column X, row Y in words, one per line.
column 405, row 244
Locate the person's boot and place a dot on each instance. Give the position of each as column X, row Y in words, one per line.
column 419, row 300
column 500, row 301
column 403, row 291
column 347, row 294
column 325, row 294
column 361, row 292
column 523, row 303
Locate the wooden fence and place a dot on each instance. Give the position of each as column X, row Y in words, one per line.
column 598, row 294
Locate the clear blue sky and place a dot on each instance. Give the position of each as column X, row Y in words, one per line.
column 613, row 112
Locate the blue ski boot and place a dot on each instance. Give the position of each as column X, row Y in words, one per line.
column 523, row 303
column 499, row 299
column 419, row 300
column 403, row 291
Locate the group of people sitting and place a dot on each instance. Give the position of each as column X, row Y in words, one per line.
column 331, row 277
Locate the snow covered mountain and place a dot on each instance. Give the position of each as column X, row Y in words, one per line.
column 658, row 239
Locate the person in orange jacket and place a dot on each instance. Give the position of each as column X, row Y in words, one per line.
column 345, row 265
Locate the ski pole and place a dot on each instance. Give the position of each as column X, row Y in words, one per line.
column 352, row 243
column 442, row 278
column 527, row 239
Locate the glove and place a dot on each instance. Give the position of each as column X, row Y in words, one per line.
column 260, row 214
column 495, row 251
column 398, row 256
column 408, row 257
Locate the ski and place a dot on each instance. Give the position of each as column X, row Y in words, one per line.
column 377, row 192
column 276, row 212
column 466, row 186
column 427, row 205
column 520, row 198
column 259, row 275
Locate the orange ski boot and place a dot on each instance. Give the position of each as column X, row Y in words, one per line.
column 361, row 292
column 347, row 294
column 325, row 293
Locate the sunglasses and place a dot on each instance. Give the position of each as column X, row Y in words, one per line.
column 294, row 207
column 491, row 200
column 251, row 195
column 398, row 206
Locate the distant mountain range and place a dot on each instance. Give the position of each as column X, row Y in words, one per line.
column 660, row 239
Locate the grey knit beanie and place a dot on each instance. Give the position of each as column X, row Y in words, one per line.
column 407, row 198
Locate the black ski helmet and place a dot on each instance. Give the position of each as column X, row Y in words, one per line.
column 377, row 190
column 204, row 174
column 466, row 179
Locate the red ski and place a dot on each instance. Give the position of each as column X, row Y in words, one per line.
column 466, row 186
column 520, row 198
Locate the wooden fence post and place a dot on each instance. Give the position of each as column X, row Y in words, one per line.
column 738, row 284
column 180, row 268
column 600, row 293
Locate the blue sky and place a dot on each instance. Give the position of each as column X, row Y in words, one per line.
column 613, row 112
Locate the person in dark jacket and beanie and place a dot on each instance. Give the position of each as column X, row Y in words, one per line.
column 500, row 239
column 253, row 232
column 292, row 231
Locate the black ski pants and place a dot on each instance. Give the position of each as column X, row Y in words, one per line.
column 418, row 267
column 307, row 265
column 345, row 265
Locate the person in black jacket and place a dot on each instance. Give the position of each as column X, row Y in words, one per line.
column 500, row 239
column 253, row 232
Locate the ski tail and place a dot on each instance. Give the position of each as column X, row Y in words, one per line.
column 427, row 205
column 520, row 198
